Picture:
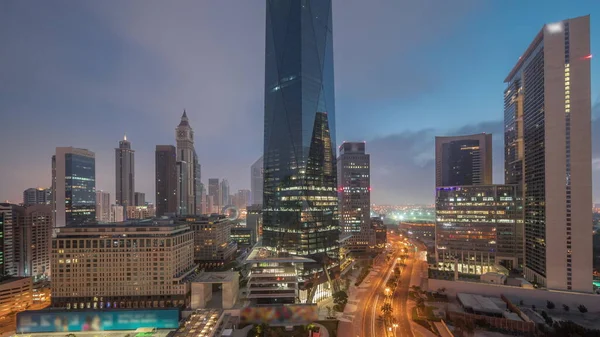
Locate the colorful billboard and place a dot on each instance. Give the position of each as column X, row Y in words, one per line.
column 88, row 320
column 280, row 315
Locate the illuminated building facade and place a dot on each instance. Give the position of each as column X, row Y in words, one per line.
column 548, row 151
column 212, row 238
column 15, row 295
column 354, row 194
column 73, row 186
column 379, row 237
column 463, row 160
column 133, row 265
column 476, row 227
column 300, row 206
column 166, row 179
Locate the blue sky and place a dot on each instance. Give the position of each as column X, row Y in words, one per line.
column 84, row 73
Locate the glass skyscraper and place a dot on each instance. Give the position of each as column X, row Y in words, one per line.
column 73, row 186
column 463, row 160
column 300, row 207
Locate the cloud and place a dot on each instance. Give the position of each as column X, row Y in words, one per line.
column 403, row 164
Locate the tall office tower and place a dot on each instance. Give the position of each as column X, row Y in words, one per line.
column 73, row 186
column 476, row 227
column 166, row 179
column 102, row 206
column 300, row 207
column 354, row 183
column 203, row 200
column 26, row 239
column 125, row 174
column 186, row 156
column 241, row 199
column 214, row 192
column 463, row 160
column 256, row 182
column 224, row 193
column 197, row 186
column 139, row 199
column 117, row 282
column 35, row 196
column 549, row 91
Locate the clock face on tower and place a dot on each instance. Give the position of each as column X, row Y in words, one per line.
column 181, row 134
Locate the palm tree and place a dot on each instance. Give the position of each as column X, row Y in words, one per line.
column 387, row 309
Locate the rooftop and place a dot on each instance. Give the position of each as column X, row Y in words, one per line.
column 260, row 254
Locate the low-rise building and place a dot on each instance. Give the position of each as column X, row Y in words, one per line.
column 379, row 234
column 274, row 277
column 140, row 212
column 212, row 238
column 419, row 230
column 15, row 294
column 244, row 237
column 127, row 265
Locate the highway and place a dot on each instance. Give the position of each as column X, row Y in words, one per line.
column 400, row 299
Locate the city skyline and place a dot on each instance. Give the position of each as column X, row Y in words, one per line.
column 398, row 127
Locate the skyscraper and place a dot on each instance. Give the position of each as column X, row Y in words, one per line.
column 548, row 110
column 139, row 199
column 256, row 182
column 73, row 186
column 186, row 156
column 215, row 193
column 125, row 174
column 300, row 187
column 102, row 206
column 35, row 196
column 354, row 184
column 463, row 160
column 224, row 188
column 166, row 179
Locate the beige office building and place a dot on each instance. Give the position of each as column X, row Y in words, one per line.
column 548, row 110
column 132, row 265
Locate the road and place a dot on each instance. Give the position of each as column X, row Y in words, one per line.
column 370, row 324
column 400, row 299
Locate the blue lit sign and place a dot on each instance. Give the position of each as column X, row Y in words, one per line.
column 82, row 320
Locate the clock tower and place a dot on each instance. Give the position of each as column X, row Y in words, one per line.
column 188, row 169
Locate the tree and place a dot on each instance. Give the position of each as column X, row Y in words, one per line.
column 550, row 305
column 387, row 309
column 566, row 307
column 582, row 309
column 340, row 297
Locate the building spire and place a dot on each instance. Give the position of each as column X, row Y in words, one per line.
column 125, row 137
column 184, row 116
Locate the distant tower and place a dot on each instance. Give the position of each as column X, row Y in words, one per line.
column 463, row 160
column 188, row 161
column 125, row 174
column 354, row 190
column 166, row 179
column 214, row 192
column 256, row 182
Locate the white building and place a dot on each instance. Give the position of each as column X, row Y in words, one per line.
column 549, row 153
column 116, row 213
column 103, row 209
